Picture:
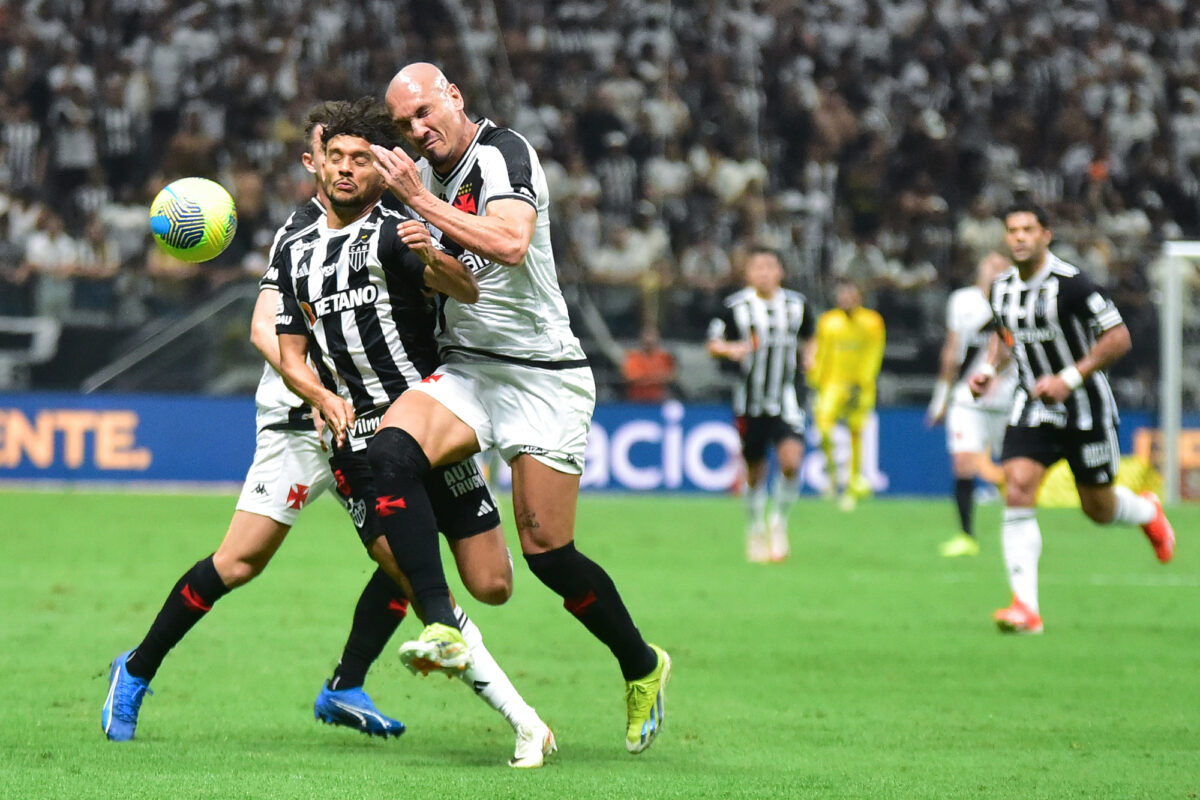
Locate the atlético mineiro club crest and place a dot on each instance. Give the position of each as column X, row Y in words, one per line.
column 464, row 199
column 357, row 253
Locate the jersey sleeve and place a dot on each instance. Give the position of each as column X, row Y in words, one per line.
column 1087, row 301
column 808, row 326
column 507, row 171
column 289, row 314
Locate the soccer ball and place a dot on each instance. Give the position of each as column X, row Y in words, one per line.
column 193, row 219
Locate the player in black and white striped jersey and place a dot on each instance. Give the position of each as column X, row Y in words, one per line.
column 1063, row 331
column 763, row 330
column 355, row 292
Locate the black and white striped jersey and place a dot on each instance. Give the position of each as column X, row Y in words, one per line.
column 359, row 293
column 1051, row 321
column 769, row 374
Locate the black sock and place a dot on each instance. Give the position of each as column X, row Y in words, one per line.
column 964, row 496
column 380, row 610
column 192, row 598
column 406, row 516
column 590, row 595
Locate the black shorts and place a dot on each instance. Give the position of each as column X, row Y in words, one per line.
column 759, row 433
column 1092, row 455
column 462, row 502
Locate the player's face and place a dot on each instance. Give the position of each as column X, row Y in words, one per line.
column 1027, row 240
column 348, row 173
column 764, row 273
column 848, row 297
column 429, row 116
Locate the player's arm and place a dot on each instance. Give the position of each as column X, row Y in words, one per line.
column 947, row 367
column 1083, row 300
column 262, row 325
column 292, row 337
column 999, row 353
column 442, row 272
column 818, row 354
column 875, row 354
column 721, row 347
column 501, row 234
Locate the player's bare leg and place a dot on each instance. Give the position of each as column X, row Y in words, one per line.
column 544, row 508
column 249, row 544
column 485, row 566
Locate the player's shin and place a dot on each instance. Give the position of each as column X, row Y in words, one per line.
column 407, row 520
column 964, row 498
column 1022, row 540
column 191, row 598
column 380, row 610
column 589, row 594
column 489, row 681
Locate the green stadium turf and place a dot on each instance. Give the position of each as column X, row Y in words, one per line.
column 864, row 667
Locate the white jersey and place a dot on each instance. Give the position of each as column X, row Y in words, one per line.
column 520, row 316
column 969, row 316
column 276, row 405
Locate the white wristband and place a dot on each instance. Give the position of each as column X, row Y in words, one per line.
column 1071, row 377
column 988, row 369
column 941, row 393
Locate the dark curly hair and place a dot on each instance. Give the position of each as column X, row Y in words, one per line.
column 365, row 118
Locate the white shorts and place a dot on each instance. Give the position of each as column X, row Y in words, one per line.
column 970, row 429
column 288, row 473
column 518, row 410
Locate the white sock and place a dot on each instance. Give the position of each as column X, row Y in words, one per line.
column 487, row 679
column 756, row 503
column 785, row 494
column 1022, row 540
column 1132, row 509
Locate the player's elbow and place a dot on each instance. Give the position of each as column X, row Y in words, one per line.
column 262, row 335
column 466, row 294
column 512, row 253
column 1122, row 342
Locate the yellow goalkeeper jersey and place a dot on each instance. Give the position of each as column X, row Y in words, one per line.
column 849, row 347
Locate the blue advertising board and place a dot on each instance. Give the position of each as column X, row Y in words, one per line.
column 672, row 447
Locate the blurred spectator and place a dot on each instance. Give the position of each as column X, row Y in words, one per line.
column 648, row 370
column 51, row 258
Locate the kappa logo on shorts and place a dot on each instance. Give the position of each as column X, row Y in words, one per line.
column 533, row 450
column 260, row 489
column 358, row 512
column 297, row 496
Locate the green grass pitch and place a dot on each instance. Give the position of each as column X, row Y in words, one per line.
column 864, row 667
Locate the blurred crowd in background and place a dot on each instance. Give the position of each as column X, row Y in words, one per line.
column 863, row 137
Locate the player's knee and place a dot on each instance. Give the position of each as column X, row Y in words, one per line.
column 237, row 572
column 395, row 453
column 492, row 588
column 554, row 567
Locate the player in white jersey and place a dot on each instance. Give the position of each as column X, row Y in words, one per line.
column 514, row 379
column 974, row 426
column 288, row 472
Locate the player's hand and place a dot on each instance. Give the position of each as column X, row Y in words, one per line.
column 419, row 240
column 399, row 172
column 979, row 383
column 736, row 351
column 1051, row 388
column 934, row 416
column 338, row 415
column 319, row 427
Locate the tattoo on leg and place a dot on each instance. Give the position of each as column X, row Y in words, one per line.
column 527, row 521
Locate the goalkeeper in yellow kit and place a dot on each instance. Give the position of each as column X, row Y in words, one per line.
column 848, row 352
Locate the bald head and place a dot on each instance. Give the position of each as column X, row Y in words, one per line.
column 428, row 111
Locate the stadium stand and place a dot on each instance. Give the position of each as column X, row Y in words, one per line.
column 868, row 137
